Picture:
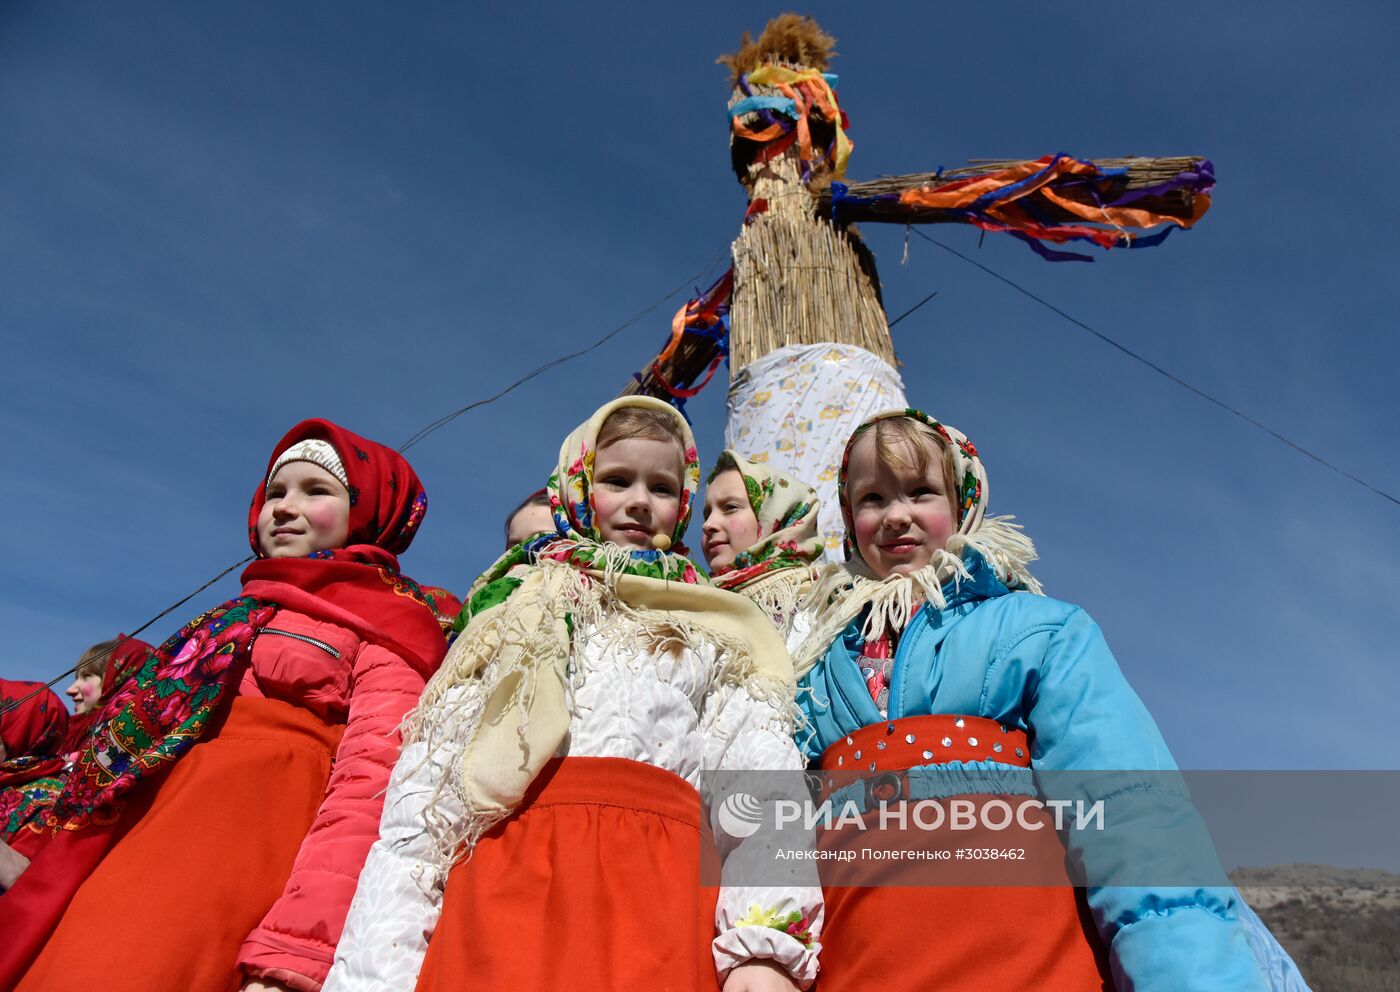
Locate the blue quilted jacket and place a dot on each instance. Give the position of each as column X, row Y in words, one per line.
column 1043, row 666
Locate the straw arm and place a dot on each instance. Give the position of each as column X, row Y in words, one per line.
column 689, row 364
column 1165, row 186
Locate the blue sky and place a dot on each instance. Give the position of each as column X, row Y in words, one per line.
column 217, row 219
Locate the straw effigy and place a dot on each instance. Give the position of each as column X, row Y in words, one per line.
column 799, row 313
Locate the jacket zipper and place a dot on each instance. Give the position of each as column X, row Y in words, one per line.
column 900, row 663
column 304, row 639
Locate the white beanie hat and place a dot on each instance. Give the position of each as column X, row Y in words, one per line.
column 317, row 452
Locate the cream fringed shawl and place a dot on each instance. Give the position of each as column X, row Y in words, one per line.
column 842, row 592
column 498, row 708
column 517, row 655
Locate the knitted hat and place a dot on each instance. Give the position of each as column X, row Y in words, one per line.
column 315, row 451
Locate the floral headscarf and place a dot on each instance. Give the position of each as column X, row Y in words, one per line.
column 125, row 661
column 576, row 539
column 571, row 496
column 786, row 509
column 844, row 592
column 968, row 474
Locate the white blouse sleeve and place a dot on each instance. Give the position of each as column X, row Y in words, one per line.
column 399, row 897
column 781, row 923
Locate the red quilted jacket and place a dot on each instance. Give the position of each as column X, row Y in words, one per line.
column 328, row 670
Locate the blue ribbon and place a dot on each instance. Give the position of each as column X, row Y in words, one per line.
column 753, row 104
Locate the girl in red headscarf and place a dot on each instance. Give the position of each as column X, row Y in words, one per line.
column 32, row 726
column 224, row 801
column 101, row 670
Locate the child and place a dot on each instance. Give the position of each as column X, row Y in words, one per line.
column 102, row 669
column 760, row 538
column 32, row 727
column 86, row 689
column 543, row 828
column 935, row 634
column 224, row 803
column 531, row 517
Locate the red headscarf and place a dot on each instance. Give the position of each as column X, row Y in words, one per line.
column 32, row 729
column 124, row 661
column 387, row 502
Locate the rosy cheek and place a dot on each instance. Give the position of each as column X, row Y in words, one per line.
column 667, row 516
column 936, row 522
column 603, row 505
column 866, row 524
column 328, row 518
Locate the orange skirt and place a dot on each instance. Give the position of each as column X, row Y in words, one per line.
column 203, row 859
column 884, row 933
column 593, row 886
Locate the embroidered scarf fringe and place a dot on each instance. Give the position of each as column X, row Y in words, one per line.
column 842, row 592
column 781, row 594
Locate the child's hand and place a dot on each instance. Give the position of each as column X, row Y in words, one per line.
column 260, row 985
column 759, row 976
column 12, row 865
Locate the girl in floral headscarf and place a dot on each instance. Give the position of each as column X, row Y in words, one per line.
column 760, row 538
column 223, row 802
column 935, row 659
column 543, row 829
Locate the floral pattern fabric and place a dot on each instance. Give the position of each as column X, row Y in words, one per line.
column 794, row 408
column 21, row 804
column 32, row 724
column 159, row 714
column 787, row 510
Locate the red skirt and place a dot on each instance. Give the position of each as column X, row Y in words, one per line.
column 896, row 936
column 200, row 862
column 592, row 886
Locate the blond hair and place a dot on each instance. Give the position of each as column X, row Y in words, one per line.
column 94, row 660
column 640, row 422
column 895, row 437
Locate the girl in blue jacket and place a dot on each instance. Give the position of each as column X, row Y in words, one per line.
column 935, row 649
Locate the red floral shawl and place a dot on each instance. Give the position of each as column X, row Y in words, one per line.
column 162, row 711
column 32, row 723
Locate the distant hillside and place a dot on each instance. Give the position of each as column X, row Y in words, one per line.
column 1340, row 925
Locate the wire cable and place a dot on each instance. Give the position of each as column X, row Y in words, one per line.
column 556, row 362
column 1161, row 371
column 913, row 308
column 418, row 436
column 124, row 638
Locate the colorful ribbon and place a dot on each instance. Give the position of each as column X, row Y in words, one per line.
column 1029, row 201
column 804, row 92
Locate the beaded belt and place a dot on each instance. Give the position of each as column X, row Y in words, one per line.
column 886, row 757
column 913, row 741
